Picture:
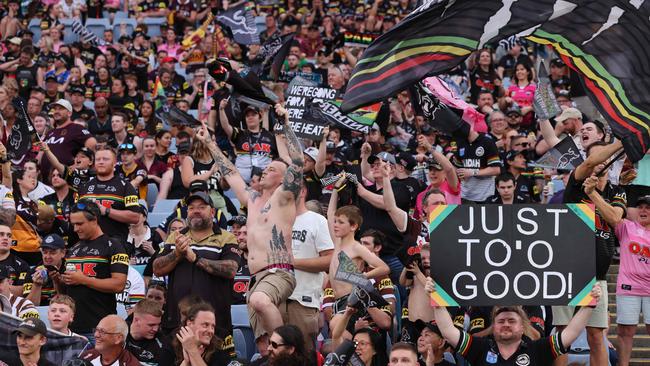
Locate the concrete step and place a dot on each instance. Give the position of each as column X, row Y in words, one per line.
column 641, row 352
column 640, row 328
column 640, row 341
column 639, row 362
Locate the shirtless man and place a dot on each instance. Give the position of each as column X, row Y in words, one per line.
column 271, row 215
column 343, row 223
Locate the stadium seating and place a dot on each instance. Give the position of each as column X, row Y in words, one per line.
column 160, row 212
column 243, row 335
column 153, row 25
column 98, row 26
column 35, row 27
column 130, row 25
column 68, row 35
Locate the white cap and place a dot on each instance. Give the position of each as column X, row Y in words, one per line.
column 63, row 103
column 568, row 113
column 312, row 152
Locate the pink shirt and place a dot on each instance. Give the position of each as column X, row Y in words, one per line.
column 452, row 196
column 634, row 274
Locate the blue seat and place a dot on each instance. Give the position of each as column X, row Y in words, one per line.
column 120, row 15
column 165, row 206
column 68, row 35
column 42, row 314
column 239, row 315
column 98, row 26
column 152, row 193
column 35, row 27
column 129, row 23
column 155, row 219
column 153, row 25
column 89, row 104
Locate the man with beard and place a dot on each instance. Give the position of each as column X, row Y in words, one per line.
column 66, row 137
column 201, row 260
column 507, row 344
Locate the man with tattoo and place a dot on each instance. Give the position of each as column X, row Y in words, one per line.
column 201, row 260
column 272, row 214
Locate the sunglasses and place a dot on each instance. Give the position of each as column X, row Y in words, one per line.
column 86, row 206
column 127, row 147
column 277, row 345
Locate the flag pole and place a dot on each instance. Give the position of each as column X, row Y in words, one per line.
column 618, row 156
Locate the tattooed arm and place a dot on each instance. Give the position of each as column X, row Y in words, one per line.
column 227, row 168
column 223, row 268
column 293, row 178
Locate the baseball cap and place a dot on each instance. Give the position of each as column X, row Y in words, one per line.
column 330, row 146
column 237, row 220
column 375, row 127
column 420, row 324
column 51, row 77
column 510, row 155
column 406, row 160
column 387, row 157
column 15, row 41
column 183, row 147
column 53, row 241
column 198, row 186
column 251, row 108
column 312, row 152
column 201, row 196
column 143, row 207
column 643, row 199
column 4, row 272
column 568, row 113
column 557, row 62
column 77, row 89
column 138, row 33
column 63, row 103
column 86, row 151
column 31, row 327
column 513, row 110
column 168, row 59
column 433, row 163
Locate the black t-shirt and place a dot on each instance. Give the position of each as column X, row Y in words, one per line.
column 13, row 359
column 240, row 286
column 314, row 187
column 26, row 78
column 77, row 178
column 262, row 143
column 187, row 278
column 483, row 351
column 605, row 237
column 47, row 290
column 84, row 113
column 115, row 194
column 152, row 352
column 98, row 258
column 18, row 269
column 142, row 257
column 508, row 62
column 480, row 318
column 496, row 199
column 378, row 219
column 61, row 207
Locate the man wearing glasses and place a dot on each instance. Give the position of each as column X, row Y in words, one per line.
column 96, row 269
column 111, row 333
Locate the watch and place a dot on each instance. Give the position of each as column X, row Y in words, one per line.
column 108, row 211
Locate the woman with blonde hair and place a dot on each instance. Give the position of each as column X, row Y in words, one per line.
column 199, row 165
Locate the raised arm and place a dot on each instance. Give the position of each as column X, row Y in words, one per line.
column 549, row 133
column 612, row 215
column 579, row 321
column 54, row 161
column 379, row 267
column 332, row 206
column 223, row 118
column 293, row 178
column 443, row 319
column 319, row 167
column 586, row 168
column 399, row 216
column 366, row 150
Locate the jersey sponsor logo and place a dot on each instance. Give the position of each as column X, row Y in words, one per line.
column 30, row 314
column 477, row 324
column 385, row 283
column 491, row 357
column 523, row 360
column 480, row 151
column 257, row 147
column 640, row 250
column 22, row 275
column 328, row 292
column 130, row 201
column 240, row 287
column 53, row 140
column 120, row 259
column 472, row 163
column 299, row 235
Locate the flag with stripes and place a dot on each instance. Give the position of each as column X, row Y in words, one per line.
column 604, row 41
column 86, row 35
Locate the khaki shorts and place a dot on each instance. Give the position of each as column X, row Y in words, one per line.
column 275, row 283
column 599, row 317
column 305, row 318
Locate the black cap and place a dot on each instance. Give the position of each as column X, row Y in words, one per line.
column 4, row 272
column 138, row 33
column 420, row 324
column 76, row 89
column 201, row 196
column 32, row 327
column 406, row 160
column 513, row 153
column 51, row 77
column 62, row 57
column 198, row 186
column 23, row 32
column 86, row 151
column 124, row 38
column 251, row 108
column 557, row 62
column 330, row 146
column 433, row 163
column 127, row 147
column 643, row 199
column 183, row 147
column 385, row 156
column 237, row 220
column 427, row 130
column 53, row 241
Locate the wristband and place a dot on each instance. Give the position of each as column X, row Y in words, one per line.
column 107, row 212
column 475, row 172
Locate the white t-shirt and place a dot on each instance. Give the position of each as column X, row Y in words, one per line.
column 134, row 290
column 40, row 191
column 309, row 237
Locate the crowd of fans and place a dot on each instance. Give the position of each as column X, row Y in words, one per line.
column 265, row 218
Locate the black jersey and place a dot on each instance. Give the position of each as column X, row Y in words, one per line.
column 115, row 194
column 97, row 258
column 18, row 269
column 151, row 352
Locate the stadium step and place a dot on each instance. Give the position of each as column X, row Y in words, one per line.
column 640, row 328
column 641, row 353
